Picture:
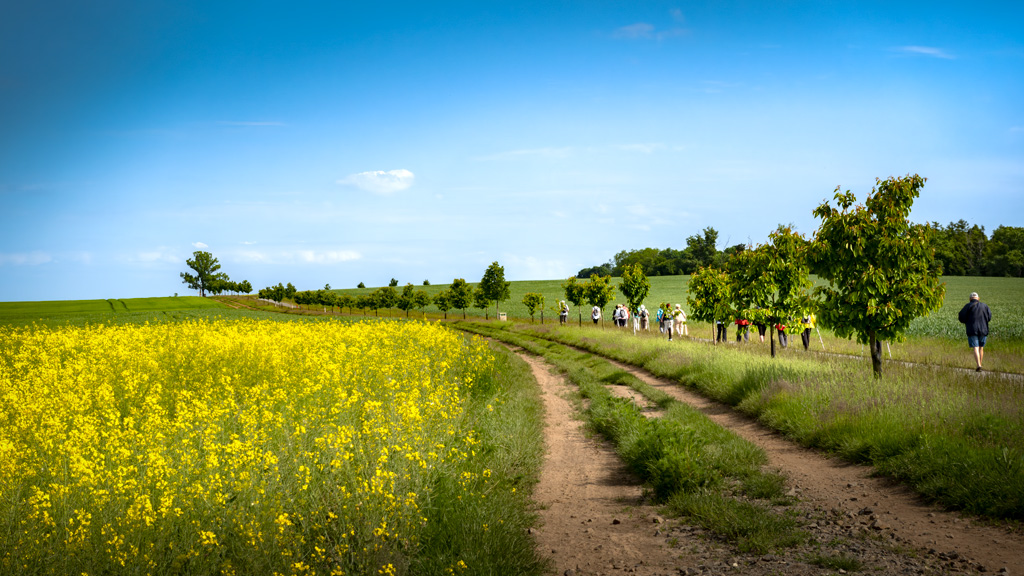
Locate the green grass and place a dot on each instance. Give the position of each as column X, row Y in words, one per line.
column 1004, row 295
column 19, row 313
column 491, row 533
column 955, row 437
column 696, row 467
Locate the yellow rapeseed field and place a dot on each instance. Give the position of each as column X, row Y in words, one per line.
column 227, row 446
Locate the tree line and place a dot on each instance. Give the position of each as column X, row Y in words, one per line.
column 961, row 249
column 881, row 272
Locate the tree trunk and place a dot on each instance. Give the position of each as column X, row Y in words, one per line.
column 876, row 356
column 714, row 335
column 771, row 336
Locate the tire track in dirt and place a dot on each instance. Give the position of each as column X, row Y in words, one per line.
column 849, row 489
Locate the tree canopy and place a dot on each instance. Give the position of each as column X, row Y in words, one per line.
column 494, row 286
column 206, row 276
column 880, row 267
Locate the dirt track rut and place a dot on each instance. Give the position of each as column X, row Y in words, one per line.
column 595, row 520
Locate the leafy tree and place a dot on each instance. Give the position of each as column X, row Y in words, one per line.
column 481, row 301
column 421, row 300
column 702, row 249
column 393, row 283
column 960, row 249
column 634, row 286
column 361, row 285
column 245, row 287
column 1005, row 253
column 443, row 301
column 345, row 301
column 599, row 291
column 879, row 266
column 275, row 293
column 708, row 297
column 768, row 285
column 461, row 295
column 327, row 286
column 576, row 293
column 600, row 270
column 366, row 302
column 304, row 298
column 412, row 299
column 289, row 290
column 205, row 267
column 426, row 282
column 533, row 302
column 494, row 286
column 386, row 297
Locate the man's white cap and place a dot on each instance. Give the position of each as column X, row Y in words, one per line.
column 974, row 295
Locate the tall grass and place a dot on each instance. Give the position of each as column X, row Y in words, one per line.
column 955, row 437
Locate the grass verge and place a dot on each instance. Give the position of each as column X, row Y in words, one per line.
column 955, row 437
column 696, row 467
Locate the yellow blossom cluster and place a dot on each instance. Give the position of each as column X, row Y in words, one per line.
column 227, row 446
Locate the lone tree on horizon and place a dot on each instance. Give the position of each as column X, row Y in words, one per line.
column 206, row 275
column 880, row 268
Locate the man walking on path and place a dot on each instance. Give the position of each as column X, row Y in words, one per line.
column 976, row 316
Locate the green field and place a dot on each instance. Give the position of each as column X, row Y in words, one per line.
column 1005, row 296
column 79, row 311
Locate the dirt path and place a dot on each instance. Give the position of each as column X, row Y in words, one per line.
column 595, row 520
column 850, row 490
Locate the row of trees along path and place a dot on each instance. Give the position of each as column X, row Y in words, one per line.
column 880, row 270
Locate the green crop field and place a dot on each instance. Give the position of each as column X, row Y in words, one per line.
column 78, row 311
column 1005, row 296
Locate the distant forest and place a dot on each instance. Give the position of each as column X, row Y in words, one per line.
column 961, row 249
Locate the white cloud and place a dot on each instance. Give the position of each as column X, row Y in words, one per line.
column 379, row 181
column 33, row 258
column 199, row 245
column 327, row 257
column 638, row 30
column 303, row 256
column 643, row 30
column 926, row 51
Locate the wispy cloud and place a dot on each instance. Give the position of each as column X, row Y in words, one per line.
column 328, row 257
column 925, row 51
column 33, row 258
column 645, row 31
column 380, row 181
column 257, row 123
column 638, row 30
column 300, row 256
column 199, row 245
column 161, row 255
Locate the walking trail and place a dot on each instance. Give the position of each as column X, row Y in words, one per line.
column 596, row 520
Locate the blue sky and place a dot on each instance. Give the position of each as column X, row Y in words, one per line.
column 340, row 143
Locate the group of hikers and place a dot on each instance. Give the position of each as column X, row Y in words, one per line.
column 672, row 321
column 975, row 315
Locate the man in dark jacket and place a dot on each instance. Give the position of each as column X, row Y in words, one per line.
column 976, row 316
